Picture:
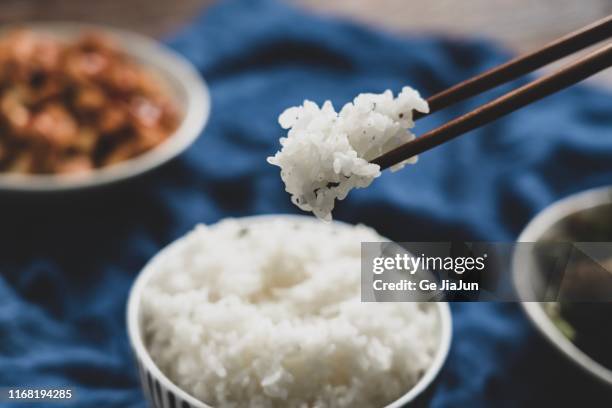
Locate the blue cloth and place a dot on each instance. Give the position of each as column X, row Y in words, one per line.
column 66, row 268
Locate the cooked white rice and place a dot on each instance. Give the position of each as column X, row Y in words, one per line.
column 326, row 154
column 268, row 314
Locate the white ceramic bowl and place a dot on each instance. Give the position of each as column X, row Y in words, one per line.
column 162, row 393
column 552, row 217
column 183, row 83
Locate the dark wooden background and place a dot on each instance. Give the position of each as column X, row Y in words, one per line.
column 519, row 24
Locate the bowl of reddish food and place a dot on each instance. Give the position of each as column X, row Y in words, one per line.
column 83, row 106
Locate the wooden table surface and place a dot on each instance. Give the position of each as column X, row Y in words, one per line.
column 518, row 24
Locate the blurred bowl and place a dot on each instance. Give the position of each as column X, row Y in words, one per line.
column 163, row 393
column 181, row 80
column 562, row 219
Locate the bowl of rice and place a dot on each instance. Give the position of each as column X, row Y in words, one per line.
column 266, row 311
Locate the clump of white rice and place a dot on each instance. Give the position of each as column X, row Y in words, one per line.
column 326, row 153
column 268, row 314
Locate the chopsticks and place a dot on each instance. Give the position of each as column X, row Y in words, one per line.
column 518, row 98
column 564, row 46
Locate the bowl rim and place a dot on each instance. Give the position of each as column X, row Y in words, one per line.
column 176, row 67
column 541, row 223
column 137, row 343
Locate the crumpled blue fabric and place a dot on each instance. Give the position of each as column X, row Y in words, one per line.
column 67, row 264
